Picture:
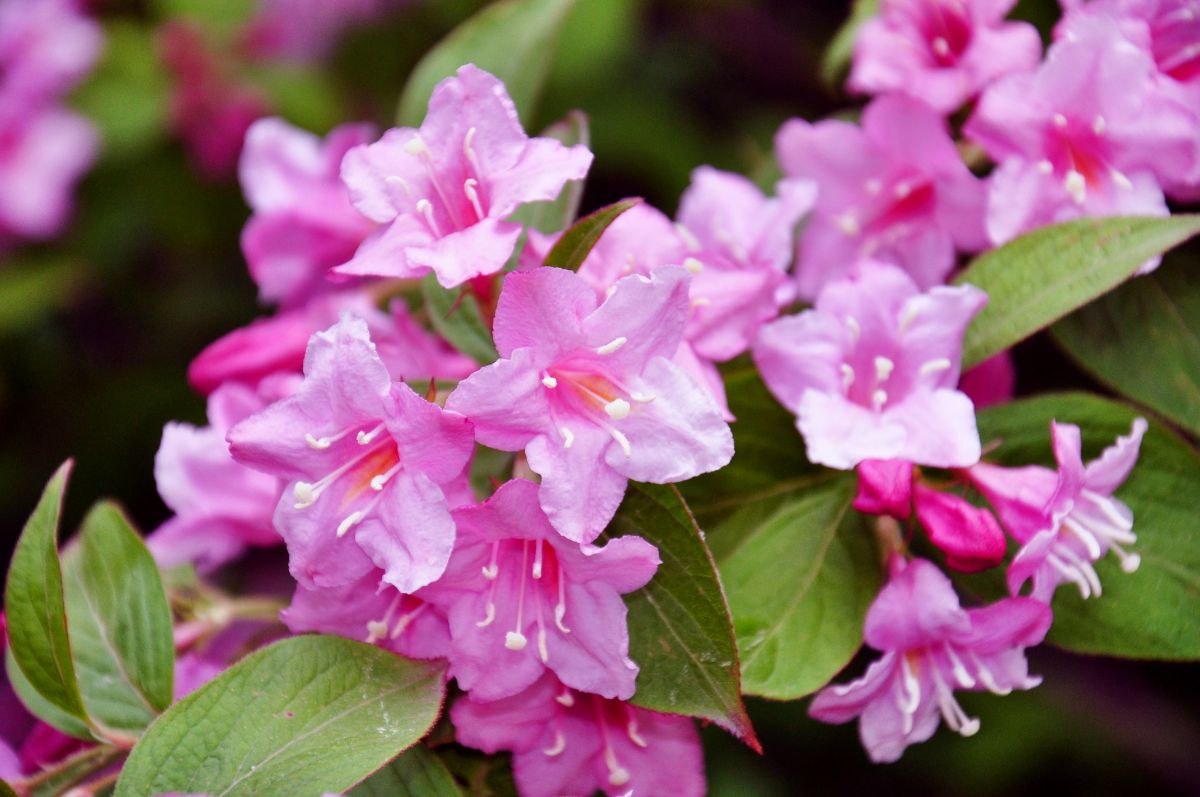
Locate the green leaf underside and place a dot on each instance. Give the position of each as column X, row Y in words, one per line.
column 307, row 715
column 558, row 214
column 513, row 39
column 459, row 321
column 35, row 608
column 1152, row 613
column 1042, row 276
column 416, row 773
column 39, row 706
column 573, row 247
column 679, row 628
column 119, row 622
column 74, row 770
column 800, row 570
column 1157, row 313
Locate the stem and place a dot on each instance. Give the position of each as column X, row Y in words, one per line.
column 97, row 785
column 88, row 761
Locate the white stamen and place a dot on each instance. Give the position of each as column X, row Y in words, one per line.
column 642, row 398
column 425, row 208
column 634, row 735
column 365, row 438
column 847, row 376
column 468, row 150
column 1130, row 562
column 878, row 398
column 560, row 743
column 1084, row 568
column 986, row 678
column 689, row 238
column 902, row 189
column 318, row 443
column 699, row 301
column 565, row 699
column 908, row 314
column 549, row 381
column 560, row 612
column 873, row 186
column 612, row 345
column 853, row 328
column 568, row 437
column 305, row 494
column 515, row 640
column 956, row 719
column 935, row 366
column 1121, row 181
column 1085, row 536
column 883, row 368
column 396, row 179
column 622, row 440
column 848, row 223
column 416, row 146
column 473, row 195
column 380, row 479
column 693, row 265
column 941, row 47
column 376, row 630
column 1060, row 121
column 537, row 561
column 1099, row 125
column 490, row 571
column 489, row 617
column 617, row 409
column 961, row 674
column 619, row 776
column 1076, row 186
column 351, row 520
column 541, row 640
column 1045, row 167
column 911, row 693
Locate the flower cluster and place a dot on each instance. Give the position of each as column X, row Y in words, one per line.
column 46, row 47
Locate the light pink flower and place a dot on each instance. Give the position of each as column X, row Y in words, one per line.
column 365, row 459
column 1067, row 521
column 303, row 222
column 443, row 192
column 46, row 47
column 522, row 599
column 1087, row 134
column 894, row 189
column 941, row 51
column 870, row 370
column 568, row 742
column 589, row 392
column 373, row 611
column 932, row 647
column 220, row 507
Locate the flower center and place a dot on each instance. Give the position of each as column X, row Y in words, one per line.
column 447, row 208
column 539, row 564
column 366, row 471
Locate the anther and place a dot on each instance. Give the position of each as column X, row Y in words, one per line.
column 847, row 376
column 416, row 146
column 560, row 612
column 305, row 493
column 941, row 47
column 473, row 195
column 568, row 437
column 848, row 223
column 612, row 345
column 853, row 328
column 425, row 208
column 560, row 744
column 351, row 520
column 489, row 616
column 935, row 366
column 541, row 642
column 515, row 640
column 693, row 265
column 1120, row 180
column 395, row 179
column 468, row 150
column 537, row 561
column 908, row 314
column 365, row 438
column 642, row 398
column 319, row 443
column 622, row 441
column 902, row 189
column 376, row 630
column 1060, row 121
column 549, row 381
column 883, row 368
column 617, row 409
column 490, row 571
column 879, row 398
column 1099, row 125
column 632, row 730
column 1076, row 186
column 1045, row 167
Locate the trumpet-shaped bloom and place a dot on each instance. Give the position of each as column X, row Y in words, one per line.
column 303, row 222
column 941, row 51
column 931, row 648
column 568, row 742
column 870, row 371
column 968, row 535
column 220, row 506
column 1087, row 134
column 443, row 192
column 371, row 610
column 1065, row 521
column 366, row 460
column 522, row 599
column 590, row 394
column 894, row 189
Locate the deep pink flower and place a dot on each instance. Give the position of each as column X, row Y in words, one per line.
column 968, row 535
column 443, row 192
column 870, row 370
column 885, row 487
column 589, row 392
column 894, row 189
column 365, row 459
column 371, row 610
column 941, row 51
column 932, row 647
column 303, row 222
column 1087, row 134
column 277, row 344
column 522, row 599
column 1067, row 521
column 991, row 382
column 220, row 507
column 307, row 30
column 568, row 742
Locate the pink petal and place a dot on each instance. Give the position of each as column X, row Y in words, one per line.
column 579, row 492
column 542, row 310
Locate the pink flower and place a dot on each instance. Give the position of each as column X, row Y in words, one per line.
column 220, row 507
column 1065, row 521
column 885, row 487
column 941, row 51
column 303, row 222
column 1087, row 134
column 46, row 47
column 870, row 370
column 361, row 454
column 568, row 742
column 968, row 535
column 991, row 382
column 276, row 345
column 932, row 647
column 522, row 599
column 589, row 392
column 443, row 192
column 373, row 611
column 894, row 189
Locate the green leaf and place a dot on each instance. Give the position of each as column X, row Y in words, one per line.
column 36, row 611
column 6, row 790
column 558, row 214
column 32, row 288
column 40, row 707
column 416, row 773
column 1150, row 613
column 799, row 579
column 57, row 779
column 512, row 39
column 307, row 715
column 679, row 628
column 1042, row 276
column 1157, row 313
column 573, row 247
column 456, row 316
column 836, row 60
column 119, row 623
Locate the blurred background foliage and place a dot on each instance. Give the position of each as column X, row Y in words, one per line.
column 97, row 327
